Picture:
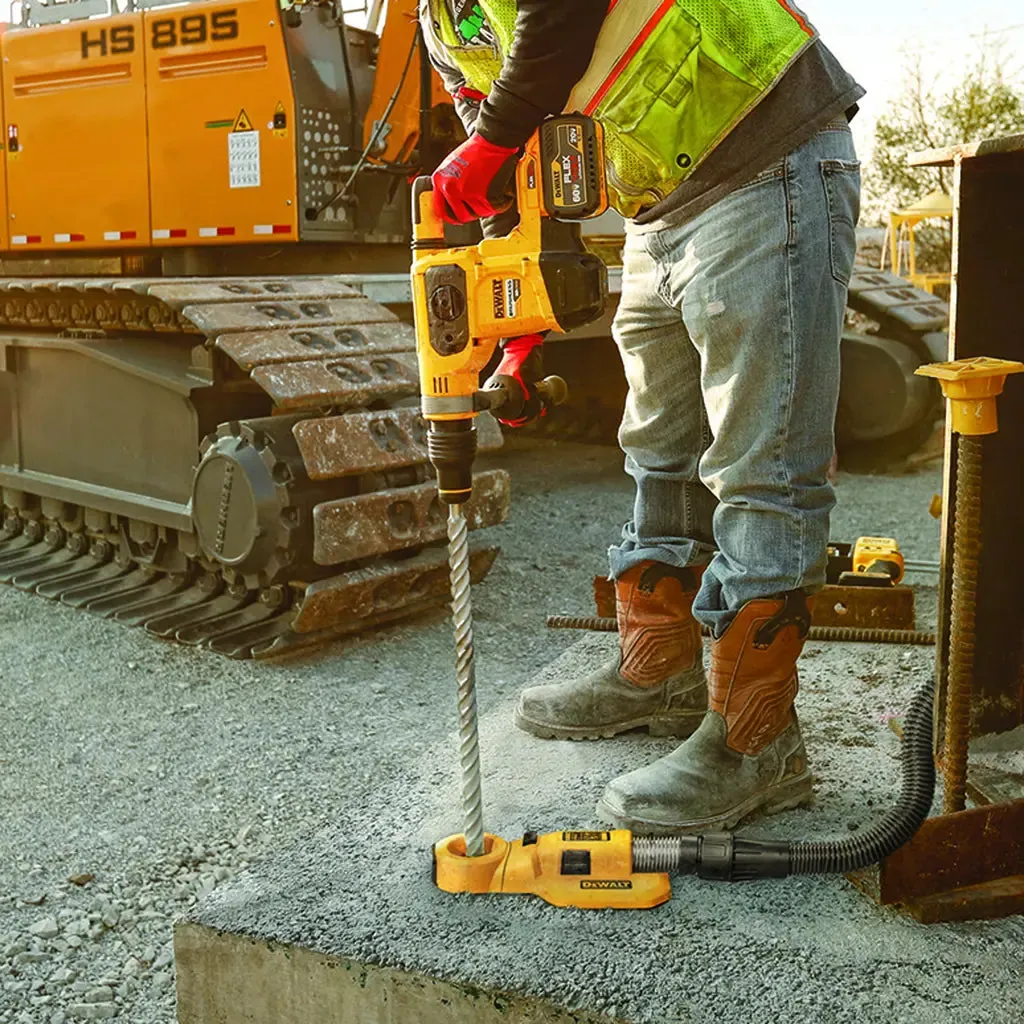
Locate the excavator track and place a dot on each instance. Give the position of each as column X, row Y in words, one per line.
column 233, row 464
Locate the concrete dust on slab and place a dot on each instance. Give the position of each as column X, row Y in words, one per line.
column 167, row 773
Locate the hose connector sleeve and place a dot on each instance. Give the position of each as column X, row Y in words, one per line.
column 717, row 856
column 724, row 858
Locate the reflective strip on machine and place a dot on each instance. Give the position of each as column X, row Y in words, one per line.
column 26, row 239
column 119, row 236
column 215, row 232
column 271, row 229
column 160, row 234
column 63, row 238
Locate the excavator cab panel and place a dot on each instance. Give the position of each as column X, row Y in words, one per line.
column 75, row 110
column 216, row 77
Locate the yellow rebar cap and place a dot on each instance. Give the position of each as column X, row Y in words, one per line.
column 972, row 387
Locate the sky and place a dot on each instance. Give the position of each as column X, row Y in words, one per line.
column 868, row 36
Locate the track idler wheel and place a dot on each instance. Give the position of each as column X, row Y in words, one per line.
column 251, row 502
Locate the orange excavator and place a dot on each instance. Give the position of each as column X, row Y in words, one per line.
column 204, row 430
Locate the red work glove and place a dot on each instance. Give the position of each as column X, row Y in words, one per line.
column 474, row 181
column 521, row 367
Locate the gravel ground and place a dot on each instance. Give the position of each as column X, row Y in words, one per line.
column 136, row 777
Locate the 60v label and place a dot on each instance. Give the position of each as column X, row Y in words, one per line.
column 187, row 30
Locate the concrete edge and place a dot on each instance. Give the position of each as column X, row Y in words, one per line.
column 226, row 978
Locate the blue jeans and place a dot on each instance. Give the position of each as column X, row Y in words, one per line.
column 729, row 329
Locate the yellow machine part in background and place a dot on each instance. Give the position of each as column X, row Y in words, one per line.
column 166, row 127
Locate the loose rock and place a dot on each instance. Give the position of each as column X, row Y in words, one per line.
column 45, row 928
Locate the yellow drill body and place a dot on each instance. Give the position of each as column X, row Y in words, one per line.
column 537, row 278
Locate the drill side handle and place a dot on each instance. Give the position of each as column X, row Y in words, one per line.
column 529, row 194
column 427, row 227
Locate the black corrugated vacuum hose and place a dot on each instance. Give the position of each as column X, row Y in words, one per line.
column 722, row 857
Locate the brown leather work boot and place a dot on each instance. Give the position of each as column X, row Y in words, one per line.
column 657, row 681
column 747, row 754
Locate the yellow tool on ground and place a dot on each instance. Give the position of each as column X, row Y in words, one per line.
column 878, row 558
column 619, row 870
column 590, row 870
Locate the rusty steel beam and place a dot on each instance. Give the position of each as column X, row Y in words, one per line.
column 863, row 607
column 383, row 521
column 381, row 588
column 833, row 607
column 955, row 852
column 989, row 785
column 604, row 597
column 1003, row 897
column 337, row 446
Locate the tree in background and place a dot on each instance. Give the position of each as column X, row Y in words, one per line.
column 987, row 102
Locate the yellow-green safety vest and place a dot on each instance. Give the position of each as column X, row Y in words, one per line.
column 668, row 81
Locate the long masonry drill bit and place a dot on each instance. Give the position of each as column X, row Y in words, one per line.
column 465, row 674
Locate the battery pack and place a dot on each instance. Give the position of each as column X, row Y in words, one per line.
column 572, row 167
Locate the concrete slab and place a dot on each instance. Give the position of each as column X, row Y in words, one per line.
column 348, row 927
column 226, row 977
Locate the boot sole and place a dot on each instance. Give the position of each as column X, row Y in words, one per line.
column 679, row 726
column 784, row 796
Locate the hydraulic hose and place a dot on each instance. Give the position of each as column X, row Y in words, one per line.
column 722, row 857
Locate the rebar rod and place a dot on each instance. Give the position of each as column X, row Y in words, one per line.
column 959, row 687
column 822, row 634
column 465, row 674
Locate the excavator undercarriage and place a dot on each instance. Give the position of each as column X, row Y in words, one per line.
column 238, row 464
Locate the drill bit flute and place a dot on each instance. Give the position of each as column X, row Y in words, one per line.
column 465, row 675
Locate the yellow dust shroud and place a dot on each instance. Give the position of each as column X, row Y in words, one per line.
column 590, row 870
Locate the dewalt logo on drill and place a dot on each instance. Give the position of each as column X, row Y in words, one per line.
column 505, row 292
column 606, row 884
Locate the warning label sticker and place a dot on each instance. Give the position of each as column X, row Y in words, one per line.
column 242, row 122
column 244, row 159
column 279, row 126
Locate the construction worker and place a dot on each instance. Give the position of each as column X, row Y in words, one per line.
column 729, row 153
